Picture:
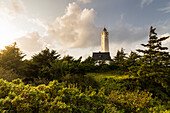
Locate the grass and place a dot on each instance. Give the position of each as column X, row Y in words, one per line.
column 109, row 75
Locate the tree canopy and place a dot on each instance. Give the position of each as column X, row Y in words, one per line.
column 11, row 58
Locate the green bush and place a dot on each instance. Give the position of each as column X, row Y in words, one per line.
column 56, row 97
column 81, row 81
column 135, row 102
column 8, row 75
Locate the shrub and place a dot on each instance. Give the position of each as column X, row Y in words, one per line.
column 54, row 97
column 134, row 101
column 8, row 75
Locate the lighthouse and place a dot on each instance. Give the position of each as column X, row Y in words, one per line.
column 104, row 54
column 105, row 41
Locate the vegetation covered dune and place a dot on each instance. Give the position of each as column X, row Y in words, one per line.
column 48, row 83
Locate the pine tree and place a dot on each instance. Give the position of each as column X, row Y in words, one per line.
column 155, row 58
column 120, row 58
column 132, row 59
column 45, row 57
column 155, row 66
column 133, row 63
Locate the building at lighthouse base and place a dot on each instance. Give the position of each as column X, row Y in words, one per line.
column 102, row 56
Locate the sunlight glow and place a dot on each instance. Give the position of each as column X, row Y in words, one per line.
column 7, row 33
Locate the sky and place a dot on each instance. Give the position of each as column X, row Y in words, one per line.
column 73, row 27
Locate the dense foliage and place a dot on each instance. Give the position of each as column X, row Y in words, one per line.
column 56, row 97
column 11, row 58
column 134, row 83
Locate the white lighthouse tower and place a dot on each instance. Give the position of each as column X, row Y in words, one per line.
column 105, row 41
column 104, row 54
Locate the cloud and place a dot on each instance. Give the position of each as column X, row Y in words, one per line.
column 75, row 29
column 32, row 42
column 6, row 14
column 18, row 6
column 145, row 2
column 162, row 27
column 165, row 9
column 127, row 33
column 10, row 13
column 38, row 22
column 126, row 36
column 166, row 42
column 84, row 1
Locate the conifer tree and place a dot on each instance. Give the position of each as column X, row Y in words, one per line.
column 132, row 59
column 133, row 63
column 120, row 58
column 155, row 66
column 155, row 58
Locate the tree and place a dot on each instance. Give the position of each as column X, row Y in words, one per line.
column 40, row 65
column 8, row 75
column 120, row 58
column 78, row 60
column 55, row 71
column 68, row 59
column 45, row 57
column 89, row 64
column 89, row 60
column 155, row 67
column 155, row 58
column 133, row 63
column 132, row 59
column 11, row 58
